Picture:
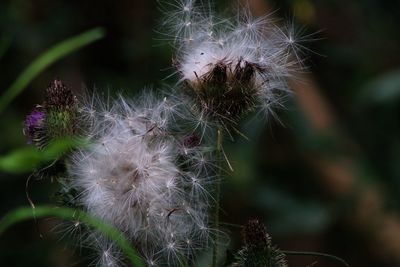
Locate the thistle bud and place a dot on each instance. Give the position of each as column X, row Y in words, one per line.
column 55, row 118
column 61, row 107
column 258, row 249
column 255, row 234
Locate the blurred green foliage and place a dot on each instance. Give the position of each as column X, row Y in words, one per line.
column 45, row 60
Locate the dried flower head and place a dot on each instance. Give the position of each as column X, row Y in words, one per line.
column 230, row 67
column 227, row 91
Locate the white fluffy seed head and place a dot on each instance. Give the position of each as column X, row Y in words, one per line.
column 135, row 176
column 248, row 57
column 122, row 175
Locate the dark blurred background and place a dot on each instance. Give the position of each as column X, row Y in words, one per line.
column 325, row 179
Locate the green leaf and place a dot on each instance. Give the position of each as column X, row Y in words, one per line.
column 46, row 59
column 60, row 146
column 21, row 160
column 30, row 158
column 25, row 213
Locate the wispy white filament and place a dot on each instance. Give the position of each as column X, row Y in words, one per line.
column 132, row 177
column 203, row 40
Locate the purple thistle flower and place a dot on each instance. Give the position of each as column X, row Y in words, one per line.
column 34, row 124
column 55, row 118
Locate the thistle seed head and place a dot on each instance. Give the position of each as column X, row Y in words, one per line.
column 132, row 177
column 231, row 67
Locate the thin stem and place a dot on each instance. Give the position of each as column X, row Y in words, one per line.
column 318, row 254
column 45, row 60
column 217, row 199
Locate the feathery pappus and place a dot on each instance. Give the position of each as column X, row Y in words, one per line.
column 230, row 66
column 135, row 176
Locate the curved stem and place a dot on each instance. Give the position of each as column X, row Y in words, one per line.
column 318, row 254
column 217, row 200
column 25, row 213
column 46, row 59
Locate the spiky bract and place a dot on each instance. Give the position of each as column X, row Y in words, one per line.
column 258, row 250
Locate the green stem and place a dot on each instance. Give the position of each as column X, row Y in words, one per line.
column 318, row 254
column 108, row 230
column 46, row 59
column 217, row 199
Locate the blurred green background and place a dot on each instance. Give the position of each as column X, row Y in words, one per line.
column 325, row 179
